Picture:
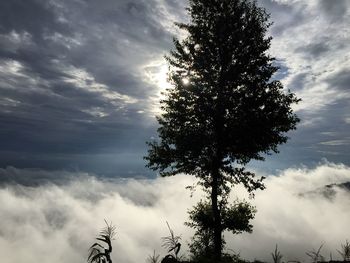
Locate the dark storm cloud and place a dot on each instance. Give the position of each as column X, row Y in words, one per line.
column 298, row 81
column 340, row 80
column 334, row 9
column 283, row 15
column 73, row 87
column 32, row 16
column 315, row 50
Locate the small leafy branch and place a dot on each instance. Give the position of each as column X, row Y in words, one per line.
column 276, row 255
column 98, row 253
column 316, row 256
column 171, row 242
column 345, row 251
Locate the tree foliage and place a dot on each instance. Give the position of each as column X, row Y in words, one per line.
column 236, row 218
column 224, row 108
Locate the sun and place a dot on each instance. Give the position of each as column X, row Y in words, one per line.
column 161, row 77
column 185, row 81
column 156, row 74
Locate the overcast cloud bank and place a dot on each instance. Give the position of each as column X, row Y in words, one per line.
column 57, row 222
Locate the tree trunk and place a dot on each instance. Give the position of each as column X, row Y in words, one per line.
column 217, row 216
column 219, row 124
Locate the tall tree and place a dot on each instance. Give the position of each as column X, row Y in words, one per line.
column 224, row 108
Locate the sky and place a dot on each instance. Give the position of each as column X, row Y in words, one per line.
column 81, row 81
column 79, row 91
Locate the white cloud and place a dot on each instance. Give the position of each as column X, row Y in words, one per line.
column 57, row 223
column 293, row 214
column 17, row 76
column 346, row 141
column 96, row 112
column 68, row 42
column 312, row 44
column 14, row 40
column 82, row 79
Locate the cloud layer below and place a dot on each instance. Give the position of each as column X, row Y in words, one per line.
column 57, row 222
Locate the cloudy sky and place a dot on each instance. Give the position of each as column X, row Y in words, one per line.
column 80, row 80
column 80, row 85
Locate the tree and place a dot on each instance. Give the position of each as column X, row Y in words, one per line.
column 235, row 217
column 224, row 109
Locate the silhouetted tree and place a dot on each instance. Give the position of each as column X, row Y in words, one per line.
column 236, row 218
column 224, row 109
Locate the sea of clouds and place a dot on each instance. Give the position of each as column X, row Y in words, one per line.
column 55, row 216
